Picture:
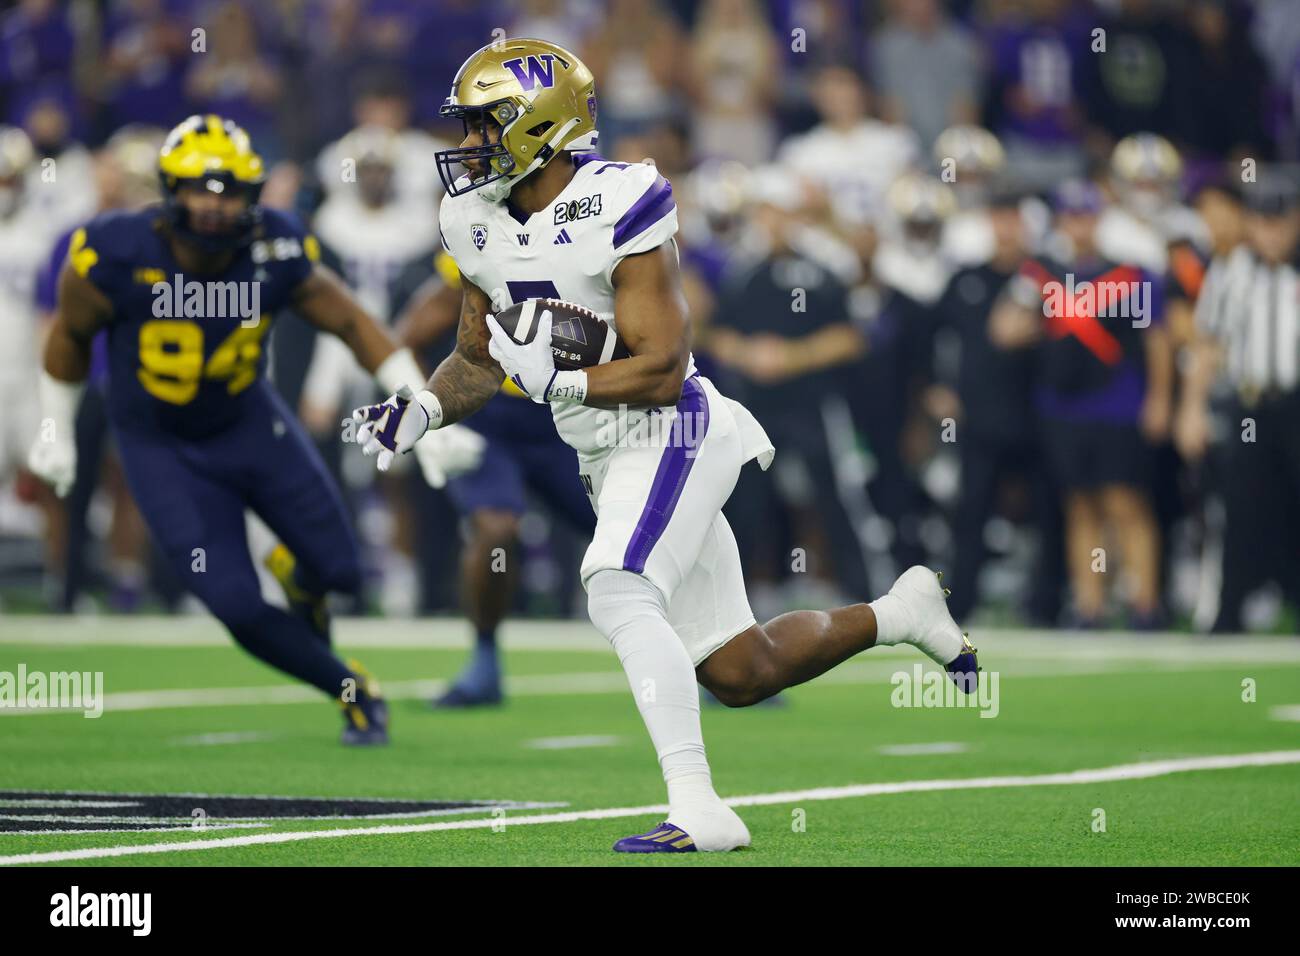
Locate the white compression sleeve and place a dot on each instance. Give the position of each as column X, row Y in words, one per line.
column 400, row 368
column 59, row 401
column 631, row 613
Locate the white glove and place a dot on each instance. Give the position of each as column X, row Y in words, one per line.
column 398, row 425
column 531, row 366
column 447, row 452
column 393, row 426
column 53, row 456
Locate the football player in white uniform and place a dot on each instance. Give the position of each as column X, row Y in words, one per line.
column 1148, row 213
column 540, row 215
column 26, row 236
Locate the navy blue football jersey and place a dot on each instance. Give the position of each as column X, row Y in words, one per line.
column 187, row 352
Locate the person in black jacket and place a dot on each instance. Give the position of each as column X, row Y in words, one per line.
column 996, row 430
column 782, row 329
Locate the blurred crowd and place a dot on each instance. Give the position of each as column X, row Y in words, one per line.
column 877, row 201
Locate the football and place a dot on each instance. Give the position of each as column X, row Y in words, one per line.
column 579, row 337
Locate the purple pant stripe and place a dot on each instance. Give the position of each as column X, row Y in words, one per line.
column 674, row 468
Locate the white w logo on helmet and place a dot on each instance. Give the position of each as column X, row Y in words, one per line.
column 541, row 69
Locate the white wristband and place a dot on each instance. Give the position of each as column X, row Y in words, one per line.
column 58, row 402
column 432, row 407
column 399, row 369
column 570, row 386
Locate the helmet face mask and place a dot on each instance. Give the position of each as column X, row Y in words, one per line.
column 491, row 156
column 212, row 155
column 540, row 97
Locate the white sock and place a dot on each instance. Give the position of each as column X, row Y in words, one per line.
column 690, row 789
column 892, row 620
column 631, row 613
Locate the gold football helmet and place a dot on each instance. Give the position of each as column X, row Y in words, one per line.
column 1145, row 174
column 1146, row 158
column 973, row 150
column 542, row 98
column 16, row 152
column 16, row 157
column 916, row 199
column 133, row 152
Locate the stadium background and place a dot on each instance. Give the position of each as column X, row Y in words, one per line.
column 727, row 98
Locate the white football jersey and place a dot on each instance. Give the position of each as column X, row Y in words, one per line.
column 1123, row 237
column 25, row 244
column 567, row 251
column 376, row 244
column 855, row 167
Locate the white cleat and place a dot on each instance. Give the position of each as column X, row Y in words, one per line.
column 714, row 827
column 931, row 627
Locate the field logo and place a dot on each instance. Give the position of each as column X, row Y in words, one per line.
column 64, row 811
column 57, row 690
column 75, row 908
column 921, row 688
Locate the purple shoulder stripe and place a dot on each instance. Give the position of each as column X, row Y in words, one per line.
column 655, row 203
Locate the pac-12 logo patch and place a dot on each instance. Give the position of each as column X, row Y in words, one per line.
column 478, row 233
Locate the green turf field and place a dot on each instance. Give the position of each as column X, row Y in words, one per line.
column 837, row 776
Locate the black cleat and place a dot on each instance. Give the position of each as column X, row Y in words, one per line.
column 302, row 603
column 365, row 719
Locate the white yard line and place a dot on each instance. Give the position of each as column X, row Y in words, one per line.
column 878, row 667
column 220, row 738
column 923, row 750
column 1132, row 771
column 202, row 631
column 598, row 682
column 176, row 829
column 578, row 635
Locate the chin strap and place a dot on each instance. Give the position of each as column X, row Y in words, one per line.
column 499, row 190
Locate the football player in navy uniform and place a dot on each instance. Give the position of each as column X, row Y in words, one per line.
column 186, row 292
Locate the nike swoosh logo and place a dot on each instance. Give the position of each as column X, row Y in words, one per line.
column 487, row 86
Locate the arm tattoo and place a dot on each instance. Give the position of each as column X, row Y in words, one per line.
column 469, row 376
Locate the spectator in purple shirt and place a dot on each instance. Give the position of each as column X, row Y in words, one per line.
column 236, row 79
column 37, row 46
column 146, row 48
column 1032, row 102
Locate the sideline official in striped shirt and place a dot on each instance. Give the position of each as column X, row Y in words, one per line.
column 1248, row 349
